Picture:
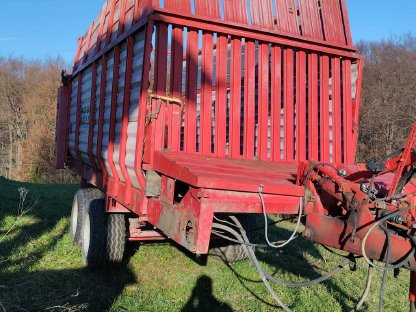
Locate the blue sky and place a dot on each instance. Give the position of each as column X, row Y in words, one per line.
column 47, row 28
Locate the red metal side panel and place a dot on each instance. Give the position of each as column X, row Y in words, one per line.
column 110, row 22
column 138, row 161
column 289, row 112
column 92, row 118
column 87, row 43
column 332, row 21
column 78, row 53
column 261, row 13
column 101, row 118
column 301, row 105
column 94, row 37
column 249, row 99
column 221, row 95
column 116, row 20
column 78, row 117
column 125, row 120
column 346, row 22
column 336, row 111
column 310, row 19
column 324, row 108
column 313, row 93
column 106, row 24
column 180, row 6
column 62, row 123
column 287, row 17
column 263, row 101
column 191, row 92
column 347, row 112
column 176, row 87
column 129, row 16
column 235, row 99
column 206, row 92
column 208, row 8
column 122, row 18
column 235, row 11
column 110, row 153
column 101, row 28
column 276, row 93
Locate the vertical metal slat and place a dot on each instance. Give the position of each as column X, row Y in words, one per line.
column 110, row 153
column 310, row 17
column 289, row 135
column 263, row 101
column 324, row 108
column 208, row 8
column 221, row 95
column 180, row 6
column 336, row 111
column 158, row 107
column 206, row 92
column 235, row 99
column 301, row 105
column 176, row 87
column 287, row 16
column 276, row 73
column 347, row 109
column 235, row 11
column 249, row 99
column 261, row 13
column 313, row 122
column 191, row 95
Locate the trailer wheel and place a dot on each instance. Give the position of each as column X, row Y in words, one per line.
column 104, row 236
column 230, row 252
column 80, row 203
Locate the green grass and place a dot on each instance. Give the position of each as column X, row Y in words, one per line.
column 40, row 270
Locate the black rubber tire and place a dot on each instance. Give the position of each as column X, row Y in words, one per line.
column 104, row 236
column 80, row 203
column 412, row 306
column 233, row 252
column 116, row 237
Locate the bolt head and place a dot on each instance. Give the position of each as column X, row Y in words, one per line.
column 342, row 173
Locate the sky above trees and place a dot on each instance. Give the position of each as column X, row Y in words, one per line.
column 47, row 28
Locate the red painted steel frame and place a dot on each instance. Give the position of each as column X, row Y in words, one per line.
column 261, row 90
column 301, row 53
column 62, row 129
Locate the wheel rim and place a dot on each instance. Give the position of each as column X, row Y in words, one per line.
column 86, row 236
column 74, row 217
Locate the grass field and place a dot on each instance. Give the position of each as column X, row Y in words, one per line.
column 40, row 270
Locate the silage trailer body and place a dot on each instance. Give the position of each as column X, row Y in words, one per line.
column 181, row 110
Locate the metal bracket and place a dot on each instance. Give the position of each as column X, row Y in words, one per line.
column 168, row 101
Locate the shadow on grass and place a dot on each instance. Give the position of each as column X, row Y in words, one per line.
column 202, row 299
column 64, row 290
column 26, row 289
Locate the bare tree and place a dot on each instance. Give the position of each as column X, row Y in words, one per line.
column 389, row 96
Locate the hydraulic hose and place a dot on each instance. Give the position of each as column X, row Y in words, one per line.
column 253, row 258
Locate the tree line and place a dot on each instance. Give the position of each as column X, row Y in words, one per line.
column 388, row 102
column 27, row 119
column 28, row 92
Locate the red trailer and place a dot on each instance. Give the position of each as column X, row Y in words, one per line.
column 179, row 112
